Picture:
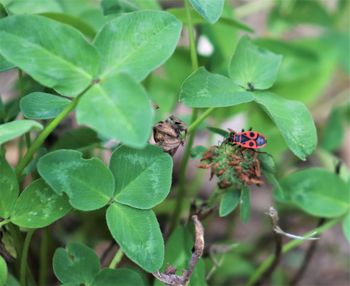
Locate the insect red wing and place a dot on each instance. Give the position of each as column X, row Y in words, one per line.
column 251, row 134
column 251, row 144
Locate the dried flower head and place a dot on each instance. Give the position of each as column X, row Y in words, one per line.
column 169, row 134
column 232, row 165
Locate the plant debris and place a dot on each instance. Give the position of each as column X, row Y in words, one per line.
column 169, row 277
column 170, row 134
column 232, row 165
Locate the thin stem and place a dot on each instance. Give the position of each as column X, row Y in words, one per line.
column 116, row 259
column 287, row 247
column 276, row 259
column 43, row 260
column 3, row 222
column 194, row 125
column 193, row 49
column 183, row 166
column 46, row 132
column 24, row 257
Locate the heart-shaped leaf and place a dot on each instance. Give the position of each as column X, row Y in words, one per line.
column 205, row 89
column 142, row 177
column 41, row 105
column 230, row 200
column 120, row 277
column 253, row 68
column 77, row 264
column 87, row 182
column 318, row 192
column 118, row 108
column 138, row 234
column 293, row 120
column 208, row 9
column 9, row 187
column 38, row 206
column 13, row 129
column 136, row 43
column 62, row 60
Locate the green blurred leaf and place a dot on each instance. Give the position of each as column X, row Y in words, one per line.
column 298, row 61
column 145, row 40
column 229, row 202
column 180, row 13
column 312, row 76
column 3, row 271
column 31, row 6
column 138, row 234
column 78, row 139
column 205, row 89
column 198, row 277
column 346, row 226
column 39, row 206
column 293, row 120
column 13, row 129
column 287, row 14
column 3, row 11
column 40, row 105
column 118, row 108
column 124, row 6
column 62, row 60
column 267, row 162
column 120, row 277
column 209, row 10
column 77, row 264
column 333, row 132
column 317, row 192
column 252, row 67
column 72, row 21
column 138, row 170
column 219, row 131
column 87, row 182
column 197, row 151
column 244, row 207
column 9, row 187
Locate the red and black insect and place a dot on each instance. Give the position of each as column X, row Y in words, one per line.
column 247, row 139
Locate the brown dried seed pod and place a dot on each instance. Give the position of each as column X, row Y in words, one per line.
column 169, row 134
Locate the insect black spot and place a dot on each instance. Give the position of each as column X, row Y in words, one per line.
column 251, row 134
column 251, row 144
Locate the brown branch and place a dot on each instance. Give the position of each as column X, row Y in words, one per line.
column 169, row 278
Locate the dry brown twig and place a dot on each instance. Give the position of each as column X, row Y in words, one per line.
column 169, row 277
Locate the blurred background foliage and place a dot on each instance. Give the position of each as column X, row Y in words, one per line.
column 313, row 37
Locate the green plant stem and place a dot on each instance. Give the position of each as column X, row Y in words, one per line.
column 194, row 125
column 46, row 132
column 43, row 259
column 116, row 259
column 3, row 222
column 287, row 247
column 193, row 49
column 24, row 257
column 183, row 166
